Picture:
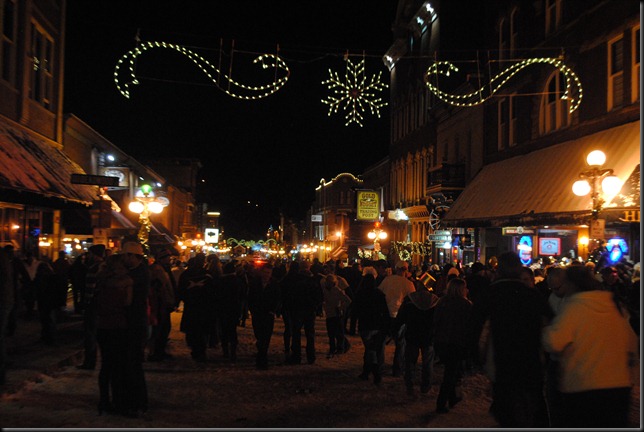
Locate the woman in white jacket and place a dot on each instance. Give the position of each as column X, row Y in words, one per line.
column 597, row 349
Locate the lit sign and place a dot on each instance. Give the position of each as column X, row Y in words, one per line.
column 616, row 247
column 212, row 235
column 368, row 205
column 525, row 250
column 549, row 246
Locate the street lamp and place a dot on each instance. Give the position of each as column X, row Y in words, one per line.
column 377, row 234
column 146, row 202
column 589, row 181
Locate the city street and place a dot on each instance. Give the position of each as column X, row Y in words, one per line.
column 185, row 394
column 218, row 394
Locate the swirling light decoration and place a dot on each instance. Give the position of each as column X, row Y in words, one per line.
column 256, row 92
column 478, row 97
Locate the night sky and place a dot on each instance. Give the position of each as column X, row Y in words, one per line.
column 270, row 152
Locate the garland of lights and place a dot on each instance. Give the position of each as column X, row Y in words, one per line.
column 353, row 93
column 256, row 92
column 465, row 100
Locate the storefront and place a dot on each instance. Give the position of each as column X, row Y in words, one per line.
column 526, row 203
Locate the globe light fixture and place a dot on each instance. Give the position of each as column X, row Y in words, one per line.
column 589, row 181
column 377, row 234
column 146, row 202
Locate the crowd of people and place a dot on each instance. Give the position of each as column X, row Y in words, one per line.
column 558, row 344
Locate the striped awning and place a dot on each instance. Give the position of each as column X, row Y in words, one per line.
column 536, row 188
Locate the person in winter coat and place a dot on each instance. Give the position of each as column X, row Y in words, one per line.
column 335, row 304
column 196, row 290
column 598, row 351
column 416, row 314
column 7, row 300
column 304, row 299
column 263, row 302
column 451, row 339
column 113, row 295
column 230, row 293
column 374, row 322
column 162, row 304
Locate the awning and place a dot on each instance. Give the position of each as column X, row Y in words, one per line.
column 536, row 188
column 160, row 235
column 31, row 168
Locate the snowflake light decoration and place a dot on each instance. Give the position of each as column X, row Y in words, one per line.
column 353, row 93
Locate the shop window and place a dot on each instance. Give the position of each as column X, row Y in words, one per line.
column 615, row 72
column 554, row 111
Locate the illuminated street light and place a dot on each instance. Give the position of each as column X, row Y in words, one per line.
column 588, row 181
column 146, row 202
column 377, row 234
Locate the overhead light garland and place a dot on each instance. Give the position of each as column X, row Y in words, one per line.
column 353, row 93
column 233, row 88
column 479, row 96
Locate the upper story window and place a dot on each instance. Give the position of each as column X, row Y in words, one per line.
column 553, row 15
column 41, row 77
column 615, row 72
column 554, row 112
column 507, row 123
column 8, row 45
column 503, row 40
column 635, row 74
column 514, row 31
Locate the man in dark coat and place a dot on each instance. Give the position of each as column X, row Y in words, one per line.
column 305, row 298
column 138, row 322
column 196, row 290
column 95, row 257
column 7, row 300
column 229, row 296
column 416, row 313
column 263, row 301
column 517, row 314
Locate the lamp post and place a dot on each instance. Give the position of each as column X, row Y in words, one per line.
column 377, row 234
column 589, row 181
column 146, row 202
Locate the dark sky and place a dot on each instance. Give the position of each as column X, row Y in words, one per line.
column 271, row 152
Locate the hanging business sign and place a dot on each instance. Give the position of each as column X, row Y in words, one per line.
column 368, row 203
column 597, row 227
column 211, row 235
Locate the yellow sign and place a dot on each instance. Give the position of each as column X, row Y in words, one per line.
column 368, row 205
column 631, row 216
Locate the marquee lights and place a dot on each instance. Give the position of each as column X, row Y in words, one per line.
column 478, row 97
column 233, row 88
column 353, row 93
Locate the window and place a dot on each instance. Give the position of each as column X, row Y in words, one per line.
column 635, row 69
column 507, row 123
column 615, row 72
column 554, row 111
column 514, row 31
column 553, row 15
column 8, row 45
column 41, row 76
column 503, row 43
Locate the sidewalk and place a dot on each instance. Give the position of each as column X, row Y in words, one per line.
column 30, row 358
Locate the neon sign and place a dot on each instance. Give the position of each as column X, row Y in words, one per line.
column 616, row 247
column 525, row 250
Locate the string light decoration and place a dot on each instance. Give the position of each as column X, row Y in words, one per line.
column 353, row 93
column 233, row 88
column 478, row 97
